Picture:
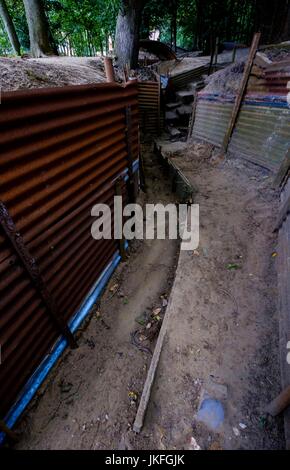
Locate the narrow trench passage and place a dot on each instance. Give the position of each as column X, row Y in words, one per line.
column 222, row 342
column 223, row 334
column 90, row 398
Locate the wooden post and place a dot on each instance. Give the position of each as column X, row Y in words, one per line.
column 192, row 118
column 109, row 69
column 31, row 268
column 241, row 92
column 216, row 50
column 159, row 104
column 119, row 217
column 234, row 54
column 131, row 186
column 211, row 55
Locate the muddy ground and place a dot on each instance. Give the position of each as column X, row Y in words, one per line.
column 222, row 340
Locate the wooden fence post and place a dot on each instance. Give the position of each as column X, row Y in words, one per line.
column 241, row 92
column 31, row 268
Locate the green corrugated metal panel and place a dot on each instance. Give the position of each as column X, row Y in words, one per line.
column 212, row 120
column 262, row 135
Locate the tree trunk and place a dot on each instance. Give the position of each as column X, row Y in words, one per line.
column 173, row 8
column 38, row 29
column 127, row 32
column 9, row 26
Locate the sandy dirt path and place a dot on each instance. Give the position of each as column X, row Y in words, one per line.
column 222, row 343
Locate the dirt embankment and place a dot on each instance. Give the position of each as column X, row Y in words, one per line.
column 21, row 74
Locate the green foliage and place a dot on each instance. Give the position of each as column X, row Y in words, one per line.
column 5, row 46
column 82, row 27
column 16, row 9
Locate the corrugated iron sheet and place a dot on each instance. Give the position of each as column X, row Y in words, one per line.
column 62, row 150
column 262, row 135
column 211, row 120
column 181, row 80
column 273, row 85
column 151, row 121
column 262, row 131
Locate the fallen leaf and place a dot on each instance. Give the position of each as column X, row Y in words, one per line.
column 114, row 288
column 156, row 311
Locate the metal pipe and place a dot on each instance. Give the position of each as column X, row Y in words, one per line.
column 109, row 69
column 279, row 403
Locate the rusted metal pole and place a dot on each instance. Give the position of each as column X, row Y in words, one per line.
column 131, row 186
column 30, row 266
column 279, row 404
column 9, row 433
column 109, row 69
column 120, row 222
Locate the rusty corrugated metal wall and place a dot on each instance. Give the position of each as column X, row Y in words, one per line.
column 262, row 131
column 62, row 151
column 151, row 121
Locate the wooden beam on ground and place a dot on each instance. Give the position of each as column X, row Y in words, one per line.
column 241, row 92
column 139, row 420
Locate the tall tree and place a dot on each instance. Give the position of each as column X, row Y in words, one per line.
column 39, row 34
column 9, row 26
column 127, row 32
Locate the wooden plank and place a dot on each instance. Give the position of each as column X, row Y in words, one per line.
column 241, row 92
column 141, row 412
column 139, row 420
column 192, row 117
